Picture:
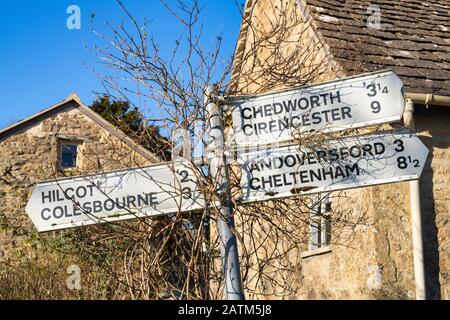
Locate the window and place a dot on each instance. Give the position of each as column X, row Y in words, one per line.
column 320, row 225
column 68, row 154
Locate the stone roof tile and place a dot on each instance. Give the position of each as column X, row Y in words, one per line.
column 412, row 38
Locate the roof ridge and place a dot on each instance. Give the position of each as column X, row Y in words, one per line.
column 74, row 96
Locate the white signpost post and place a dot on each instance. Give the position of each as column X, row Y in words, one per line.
column 334, row 165
column 121, row 195
column 342, row 104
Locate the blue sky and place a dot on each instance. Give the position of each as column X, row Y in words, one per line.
column 42, row 61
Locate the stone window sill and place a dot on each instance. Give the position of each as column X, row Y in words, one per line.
column 315, row 252
column 69, row 171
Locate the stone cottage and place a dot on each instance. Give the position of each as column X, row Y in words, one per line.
column 286, row 43
column 63, row 140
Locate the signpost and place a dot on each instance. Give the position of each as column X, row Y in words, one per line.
column 335, row 165
column 342, row 104
column 274, row 173
column 121, row 195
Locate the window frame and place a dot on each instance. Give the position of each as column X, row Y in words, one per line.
column 62, row 143
column 320, row 216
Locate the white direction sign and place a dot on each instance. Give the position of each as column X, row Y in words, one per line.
column 333, row 106
column 121, row 195
column 335, row 165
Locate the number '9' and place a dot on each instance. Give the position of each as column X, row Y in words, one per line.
column 376, row 107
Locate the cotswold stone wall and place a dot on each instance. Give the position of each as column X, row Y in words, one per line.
column 31, row 156
column 277, row 49
column 376, row 263
column 379, row 261
column 433, row 126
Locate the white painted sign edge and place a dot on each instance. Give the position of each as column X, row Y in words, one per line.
column 126, row 215
column 331, row 188
column 356, row 185
column 243, row 98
